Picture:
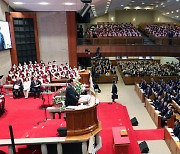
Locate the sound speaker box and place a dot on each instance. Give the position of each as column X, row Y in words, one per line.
column 62, row 131
column 134, row 121
column 144, row 147
column 84, row 10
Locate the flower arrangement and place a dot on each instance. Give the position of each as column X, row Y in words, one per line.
column 79, row 86
column 60, row 97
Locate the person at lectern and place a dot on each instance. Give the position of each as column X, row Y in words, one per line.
column 72, row 96
column 36, row 87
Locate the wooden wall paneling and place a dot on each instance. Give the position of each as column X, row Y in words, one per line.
column 72, row 38
column 9, row 17
column 132, row 50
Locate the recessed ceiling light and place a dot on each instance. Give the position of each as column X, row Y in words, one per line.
column 68, row 3
column 142, row 3
column 18, row 3
column 167, row 13
column 122, row 5
column 43, row 3
column 177, row 16
column 177, row 10
column 177, row 0
column 172, row 11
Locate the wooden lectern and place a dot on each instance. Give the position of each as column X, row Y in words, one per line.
column 81, row 121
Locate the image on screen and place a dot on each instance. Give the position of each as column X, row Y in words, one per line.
column 5, row 39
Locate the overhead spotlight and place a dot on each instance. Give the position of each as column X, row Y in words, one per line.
column 86, row 1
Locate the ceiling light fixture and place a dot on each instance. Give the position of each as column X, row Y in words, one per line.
column 68, row 3
column 18, row 3
column 172, row 11
column 177, row 10
column 43, row 3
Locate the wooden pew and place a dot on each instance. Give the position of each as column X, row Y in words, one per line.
column 171, row 142
column 139, row 92
column 153, row 113
column 106, row 79
column 156, row 117
column 176, row 106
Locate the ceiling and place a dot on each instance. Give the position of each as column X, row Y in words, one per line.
column 169, row 8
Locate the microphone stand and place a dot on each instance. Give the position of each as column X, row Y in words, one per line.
column 45, row 113
column 43, row 99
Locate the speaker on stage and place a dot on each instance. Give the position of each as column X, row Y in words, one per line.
column 144, row 147
column 134, row 121
column 62, row 131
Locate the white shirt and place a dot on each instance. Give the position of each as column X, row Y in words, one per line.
column 26, row 85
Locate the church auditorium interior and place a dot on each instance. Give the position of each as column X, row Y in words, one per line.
column 89, row 76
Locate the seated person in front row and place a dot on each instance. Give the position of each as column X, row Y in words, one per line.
column 17, row 88
column 26, row 87
column 167, row 115
column 36, row 87
column 176, row 130
column 72, row 96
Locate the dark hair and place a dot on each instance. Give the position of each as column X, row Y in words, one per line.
column 71, row 80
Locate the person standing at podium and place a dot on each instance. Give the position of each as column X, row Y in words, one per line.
column 72, row 96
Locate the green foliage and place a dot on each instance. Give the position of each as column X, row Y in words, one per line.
column 79, row 87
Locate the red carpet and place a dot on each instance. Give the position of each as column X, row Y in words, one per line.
column 25, row 115
column 115, row 115
column 149, row 134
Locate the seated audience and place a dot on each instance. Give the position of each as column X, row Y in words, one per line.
column 176, row 130
column 17, row 88
column 167, row 115
column 164, row 30
column 149, row 68
column 112, row 30
column 26, row 87
column 36, row 87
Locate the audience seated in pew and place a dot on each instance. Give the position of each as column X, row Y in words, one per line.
column 167, row 115
column 102, row 66
column 112, row 30
column 148, row 68
column 163, row 30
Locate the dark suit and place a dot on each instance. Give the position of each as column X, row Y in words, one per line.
column 176, row 130
column 114, row 91
column 166, row 117
column 36, row 88
column 17, row 91
column 71, row 96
